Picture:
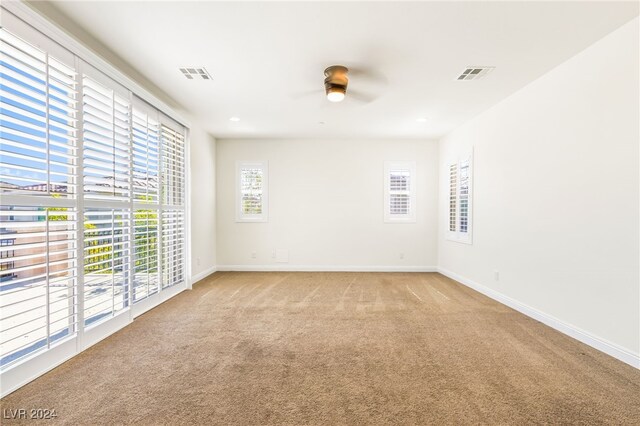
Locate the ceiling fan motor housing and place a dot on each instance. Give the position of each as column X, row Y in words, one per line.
column 336, row 79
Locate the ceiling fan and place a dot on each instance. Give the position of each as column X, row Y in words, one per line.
column 336, row 82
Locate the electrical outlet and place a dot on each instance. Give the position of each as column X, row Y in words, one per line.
column 273, row 254
column 496, row 275
column 254, row 255
column 401, row 255
column 198, row 261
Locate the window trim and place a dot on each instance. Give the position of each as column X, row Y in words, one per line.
column 264, row 216
column 411, row 216
column 457, row 235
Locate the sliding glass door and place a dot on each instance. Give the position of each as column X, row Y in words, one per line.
column 92, row 201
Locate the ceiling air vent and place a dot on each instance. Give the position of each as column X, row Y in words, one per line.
column 195, row 73
column 474, row 73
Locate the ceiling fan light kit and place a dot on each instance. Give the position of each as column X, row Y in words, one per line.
column 335, row 82
column 335, row 94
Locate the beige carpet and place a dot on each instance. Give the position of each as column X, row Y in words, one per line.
column 336, row 348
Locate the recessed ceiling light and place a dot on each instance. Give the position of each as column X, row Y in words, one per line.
column 234, row 119
column 320, row 122
column 422, row 120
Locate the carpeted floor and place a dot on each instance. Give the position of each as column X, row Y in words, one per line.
column 336, row 348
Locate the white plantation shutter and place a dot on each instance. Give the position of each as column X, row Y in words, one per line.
column 107, row 143
column 252, row 191
column 173, row 166
column 146, row 269
column 38, row 157
column 464, row 196
column 38, row 120
column 62, row 127
column 108, row 179
column 146, row 157
column 460, row 209
column 38, row 257
column 251, row 179
column 24, row 138
column 453, row 197
column 399, row 191
column 173, row 247
column 146, row 198
column 106, row 263
column 92, row 206
column 173, row 217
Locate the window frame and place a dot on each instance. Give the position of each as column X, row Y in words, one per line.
column 263, row 217
column 410, row 217
column 458, row 235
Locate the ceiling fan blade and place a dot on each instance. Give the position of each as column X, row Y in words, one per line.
column 368, row 73
column 307, row 93
column 359, row 96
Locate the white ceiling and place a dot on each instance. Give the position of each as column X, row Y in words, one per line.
column 263, row 56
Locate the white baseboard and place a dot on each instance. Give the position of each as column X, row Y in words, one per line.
column 570, row 330
column 325, row 268
column 202, row 275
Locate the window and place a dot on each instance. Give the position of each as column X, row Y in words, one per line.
column 252, row 191
column 453, row 197
column 146, row 196
column 39, row 106
column 173, row 198
column 107, row 254
column 400, row 192
column 106, row 123
column 38, row 187
column 92, row 209
column 460, row 182
column 39, row 286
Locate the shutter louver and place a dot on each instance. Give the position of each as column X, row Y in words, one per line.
column 464, row 196
column 399, row 192
column 460, row 176
column 453, row 197
column 146, row 185
column 173, row 219
column 146, row 143
column 38, row 121
column 173, row 172
column 251, row 187
column 173, row 247
column 107, row 144
column 38, row 278
column 145, row 279
column 106, row 263
column 252, row 191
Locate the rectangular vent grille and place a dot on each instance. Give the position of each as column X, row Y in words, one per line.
column 474, row 73
column 195, row 73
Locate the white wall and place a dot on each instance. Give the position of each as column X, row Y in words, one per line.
column 556, row 194
column 326, row 206
column 202, row 174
